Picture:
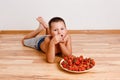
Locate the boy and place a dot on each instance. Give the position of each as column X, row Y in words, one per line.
column 58, row 40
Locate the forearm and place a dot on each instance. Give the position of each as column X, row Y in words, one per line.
column 51, row 53
column 64, row 49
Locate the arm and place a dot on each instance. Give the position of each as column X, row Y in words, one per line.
column 66, row 47
column 50, row 54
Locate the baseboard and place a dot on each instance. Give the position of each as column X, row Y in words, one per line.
column 70, row 31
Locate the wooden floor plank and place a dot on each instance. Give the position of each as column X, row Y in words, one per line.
column 22, row 63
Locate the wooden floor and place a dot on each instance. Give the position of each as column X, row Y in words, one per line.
column 21, row 63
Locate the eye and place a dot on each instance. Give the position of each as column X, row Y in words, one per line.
column 62, row 28
column 55, row 29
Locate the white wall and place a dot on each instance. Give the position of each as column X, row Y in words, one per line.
column 78, row 14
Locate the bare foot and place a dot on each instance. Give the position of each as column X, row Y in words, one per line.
column 40, row 27
column 41, row 21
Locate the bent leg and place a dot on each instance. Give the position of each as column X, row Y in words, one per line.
column 44, row 24
column 33, row 33
column 32, row 42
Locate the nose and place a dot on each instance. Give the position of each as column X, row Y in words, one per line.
column 59, row 31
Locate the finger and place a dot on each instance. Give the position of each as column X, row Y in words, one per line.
column 60, row 37
column 65, row 39
column 62, row 41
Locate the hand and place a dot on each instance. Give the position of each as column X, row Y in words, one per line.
column 66, row 38
column 56, row 39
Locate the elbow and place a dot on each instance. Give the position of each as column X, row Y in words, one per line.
column 50, row 57
column 50, row 61
column 70, row 52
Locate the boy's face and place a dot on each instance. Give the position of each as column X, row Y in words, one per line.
column 58, row 28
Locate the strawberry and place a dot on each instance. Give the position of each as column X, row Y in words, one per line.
column 77, row 63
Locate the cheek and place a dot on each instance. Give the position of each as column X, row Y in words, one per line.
column 65, row 31
column 53, row 33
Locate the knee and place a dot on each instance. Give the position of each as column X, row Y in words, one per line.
column 22, row 41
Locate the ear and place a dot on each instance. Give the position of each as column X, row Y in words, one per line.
column 49, row 32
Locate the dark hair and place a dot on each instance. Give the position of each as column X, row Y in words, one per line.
column 55, row 19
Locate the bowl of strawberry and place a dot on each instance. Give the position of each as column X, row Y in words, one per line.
column 77, row 64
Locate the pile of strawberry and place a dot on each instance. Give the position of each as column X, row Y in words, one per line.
column 77, row 63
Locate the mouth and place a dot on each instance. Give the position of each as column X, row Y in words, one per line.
column 61, row 35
